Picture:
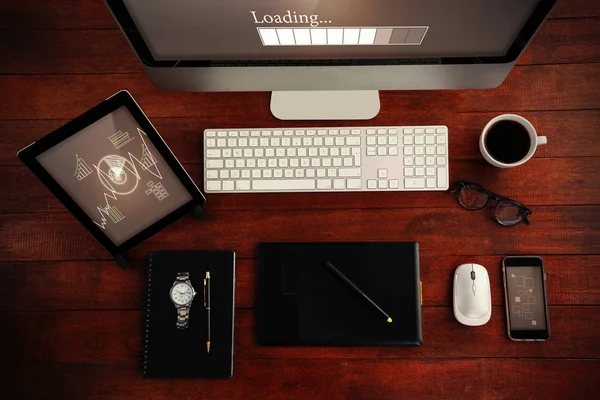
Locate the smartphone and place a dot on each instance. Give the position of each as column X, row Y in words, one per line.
column 525, row 294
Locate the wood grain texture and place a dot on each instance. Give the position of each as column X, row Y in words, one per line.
column 570, row 133
column 532, row 182
column 100, row 285
column 103, row 336
column 467, row 379
column 527, row 88
column 79, row 51
column 440, row 231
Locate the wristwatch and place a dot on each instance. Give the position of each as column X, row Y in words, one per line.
column 182, row 293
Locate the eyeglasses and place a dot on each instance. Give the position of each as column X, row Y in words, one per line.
column 475, row 197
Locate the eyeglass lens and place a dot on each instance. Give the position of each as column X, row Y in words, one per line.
column 508, row 213
column 472, row 197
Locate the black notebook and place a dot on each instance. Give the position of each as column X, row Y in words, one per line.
column 302, row 302
column 170, row 352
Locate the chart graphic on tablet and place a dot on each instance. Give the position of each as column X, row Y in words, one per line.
column 116, row 175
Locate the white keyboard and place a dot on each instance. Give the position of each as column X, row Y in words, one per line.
column 382, row 158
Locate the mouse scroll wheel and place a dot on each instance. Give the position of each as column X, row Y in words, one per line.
column 473, row 275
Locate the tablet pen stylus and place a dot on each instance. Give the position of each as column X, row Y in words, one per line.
column 356, row 289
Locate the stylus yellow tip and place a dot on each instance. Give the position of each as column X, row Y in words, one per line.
column 389, row 320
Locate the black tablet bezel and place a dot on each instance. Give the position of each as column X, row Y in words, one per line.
column 121, row 99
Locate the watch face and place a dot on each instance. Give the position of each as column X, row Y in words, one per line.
column 182, row 293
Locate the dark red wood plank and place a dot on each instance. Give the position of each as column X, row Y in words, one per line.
column 564, row 41
column 93, row 285
column 101, row 336
column 570, row 133
column 576, row 9
column 318, row 379
column 26, row 194
column 440, row 231
column 77, row 52
column 527, row 88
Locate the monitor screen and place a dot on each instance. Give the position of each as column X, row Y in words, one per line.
column 115, row 174
column 327, row 29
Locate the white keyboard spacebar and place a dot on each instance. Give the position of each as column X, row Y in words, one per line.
column 292, row 184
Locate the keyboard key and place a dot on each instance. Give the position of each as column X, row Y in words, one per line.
column 232, row 142
column 323, row 183
column 318, row 141
column 321, row 132
column 381, row 151
column 296, row 142
column 382, row 173
column 414, row 183
column 440, row 160
column 214, row 163
column 430, row 171
column 221, row 134
column 349, row 172
column 227, row 153
column 332, row 172
column 440, row 139
column 419, row 139
column 237, row 153
column 311, row 132
column 278, row 173
column 275, row 141
column 333, row 132
column 212, row 153
column 345, row 151
column 339, row 184
column 272, row 162
column 268, row 152
column 266, row 133
column 419, row 150
column 256, row 173
column 321, row 173
column 429, row 139
column 243, row 142
column 420, row 171
column 371, row 131
column 310, row 173
column 442, row 180
column 430, row 160
column 408, row 131
column 259, row 153
column 334, row 151
column 277, row 133
column 288, row 133
column 371, row 140
column 440, row 130
column 212, row 174
column 283, row 184
column 382, row 140
column 255, row 133
column 382, row 184
column 348, row 161
column 315, row 162
column 313, row 152
column 263, row 142
column 328, row 141
column 393, row 140
column 280, row 152
column 431, row 182
column 353, row 183
column 326, row 162
column 419, row 160
column 302, row 152
column 409, row 171
column 339, row 141
column 409, row 161
column 355, row 132
column 246, row 173
column 344, row 132
column 429, row 130
column 407, row 140
column 262, row 163
column 307, row 141
column 224, row 174
column 211, row 133
column 408, row 151
column 294, row 162
column 381, row 131
column 251, row 163
column 440, row 150
column 394, row 184
column 242, row 185
column 353, row 141
column 393, row 151
column 419, row 131
column 429, row 150
column 372, row 184
column 213, row 185
column 227, row 185
column 337, row 162
column 211, row 143
column 253, row 142
column 393, row 131
column 299, row 173
column 240, row 163
column 245, row 133
column 305, row 162
column 221, row 143
column 300, row 132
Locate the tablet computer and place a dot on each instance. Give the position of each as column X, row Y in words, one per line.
column 114, row 172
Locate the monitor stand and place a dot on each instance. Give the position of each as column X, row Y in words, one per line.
column 325, row 105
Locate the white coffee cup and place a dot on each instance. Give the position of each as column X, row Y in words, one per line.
column 534, row 141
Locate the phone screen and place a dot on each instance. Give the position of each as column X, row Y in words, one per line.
column 526, row 299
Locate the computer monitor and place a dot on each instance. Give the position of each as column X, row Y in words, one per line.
column 326, row 59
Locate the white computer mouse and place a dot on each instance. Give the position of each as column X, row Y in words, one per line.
column 472, row 295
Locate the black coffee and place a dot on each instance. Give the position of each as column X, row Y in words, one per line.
column 507, row 141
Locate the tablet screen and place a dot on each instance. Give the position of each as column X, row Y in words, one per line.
column 115, row 174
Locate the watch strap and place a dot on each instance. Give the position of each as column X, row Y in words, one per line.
column 183, row 317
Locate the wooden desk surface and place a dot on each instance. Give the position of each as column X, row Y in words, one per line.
column 72, row 320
